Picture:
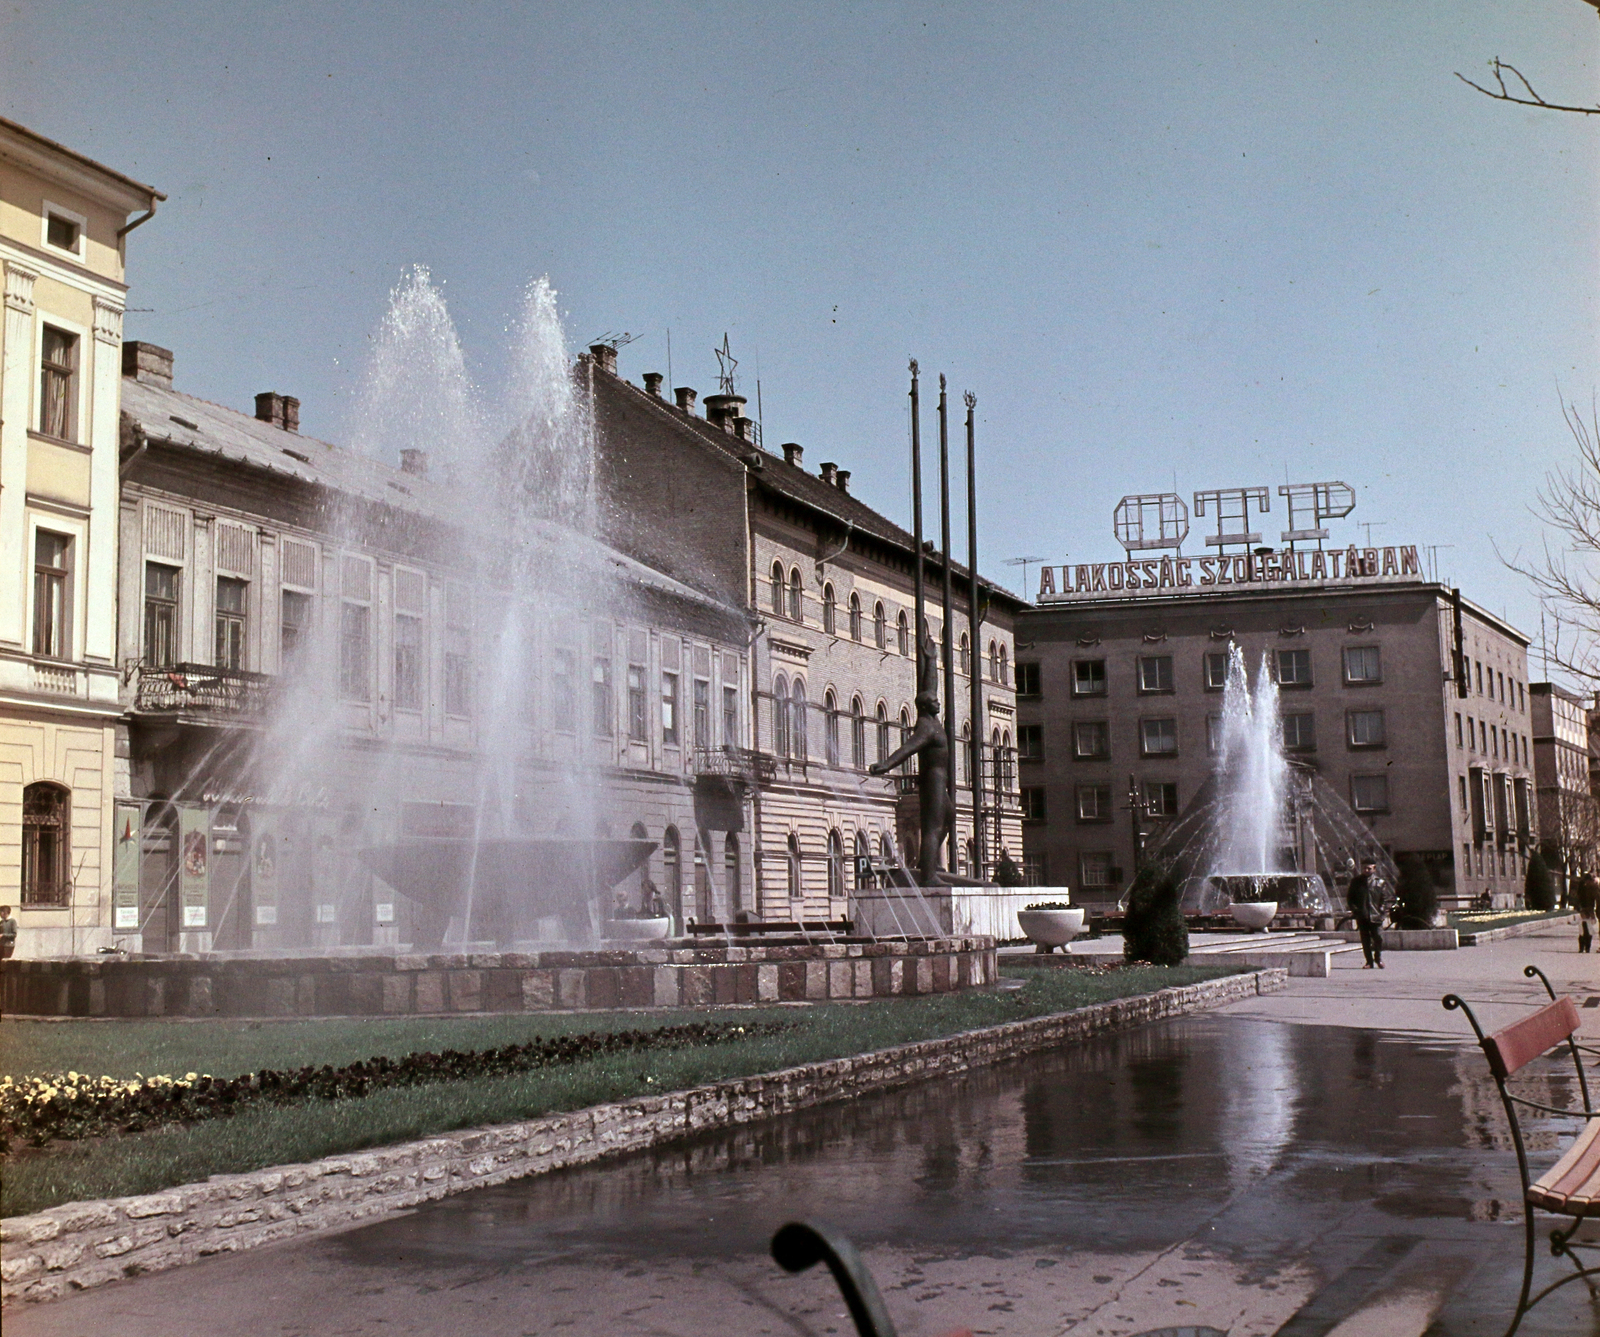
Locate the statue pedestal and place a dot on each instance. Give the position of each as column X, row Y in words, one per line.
column 936, row 912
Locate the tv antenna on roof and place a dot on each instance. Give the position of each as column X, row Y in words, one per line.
column 614, row 339
column 726, row 362
column 1023, row 562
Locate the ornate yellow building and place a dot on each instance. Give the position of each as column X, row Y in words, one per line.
column 64, row 220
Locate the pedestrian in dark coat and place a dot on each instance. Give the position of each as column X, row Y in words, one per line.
column 1367, row 906
column 1586, row 901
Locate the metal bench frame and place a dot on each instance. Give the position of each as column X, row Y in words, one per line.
column 1562, row 1243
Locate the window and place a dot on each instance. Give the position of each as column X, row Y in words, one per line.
column 858, row 735
column 830, row 610
column 1158, row 738
column 800, row 748
column 1362, row 664
column 1502, row 678
column 880, row 626
column 1088, row 677
column 1027, row 679
column 796, row 596
column 777, row 588
column 46, row 844
column 796, row 882
column 458, row 654
column 1369, row 793
column 563, row 690
column 830, row 726
column 905, row 733
column 903, row 631
column 730, row 717
column 1030, row 742
column 1155, row 673
column 355, row 642
column 1366, row 728
column 672, row 871
column 63, row 233
column 1294, row 668
column 780, row 716
column 1458, row 730
column 730, row 871
column 1461, row 782
column 1091, row 739
column 885, row 747
column 1299, row 732
column 637, row 715
column 702, row 713
column 230, row 622
column 161, row 615
column 669, row 709
column 855, row 617
column 964, row 655
column 1479, row 668
column 407, row 662
column 1003, row 676
column 1213, row 735
column 835, row 866
column 1160, row 798
column 600, row 696
column 1097, row 870
column 52, row 603
column 294, row 621
column 58, row 384
column 1094, row 803
column 1216, row 670
column 1483, row 736
column 1033, row 803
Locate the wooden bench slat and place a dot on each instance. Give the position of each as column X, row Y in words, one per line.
column 1520, row 1043
column 1572, row 1185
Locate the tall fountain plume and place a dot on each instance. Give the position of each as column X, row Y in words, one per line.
column 1253, row 774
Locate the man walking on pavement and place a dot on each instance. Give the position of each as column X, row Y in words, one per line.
column 1366, row 904
column 1586, row 901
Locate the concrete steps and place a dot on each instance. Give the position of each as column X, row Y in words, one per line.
column 1303, row 954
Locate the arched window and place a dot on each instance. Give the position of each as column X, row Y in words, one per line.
column 884, row 747
column 796, row 598
column 855, row 617
column 858, row 735
column 886, row 849
column 730, row 874
column 1003, row 676
column 964, row 658
column 964, row 761
column 1008, row 761
column 880, row 626
column 830, row 611
column 780, row 716
column 863, row 861
column 777, row 587
column 47, row 844
column 638, row 832
column 796, row 887
column 835, row 866
column 905, row 733
column 830, row 710
column 797, row 721
column 704, row 911
column 972, row 860
column 672, row 874
column 994, row 662
column 903, row 627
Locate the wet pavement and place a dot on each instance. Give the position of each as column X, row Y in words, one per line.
column 1235, row 1172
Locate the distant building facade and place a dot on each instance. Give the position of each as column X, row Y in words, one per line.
column 1569, row 817
column 63, row 224
column 1410, row 701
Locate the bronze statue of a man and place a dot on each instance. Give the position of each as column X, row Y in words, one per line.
column 931, row 746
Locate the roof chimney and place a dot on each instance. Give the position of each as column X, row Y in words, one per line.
column 792, row 451
column 269, row 407
column 414, row 461
column 830, row 473
column 291, row 414
column 723, row 410
column 841, row 480
column 652, row 383
column 744, row 428
column 686, row 398
column 147, row 364
column 605, row 357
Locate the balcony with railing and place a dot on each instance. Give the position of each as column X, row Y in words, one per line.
column 200, row 690
column 735, row 764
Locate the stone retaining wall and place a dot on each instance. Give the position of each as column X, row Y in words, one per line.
column 401, row 984
column 84, row 1244
column 1477, row 937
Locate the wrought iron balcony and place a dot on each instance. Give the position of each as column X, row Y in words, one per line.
column 735, row 763
column 200, row 689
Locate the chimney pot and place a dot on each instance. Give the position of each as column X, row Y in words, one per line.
column 725, row 410
column 269, row 407
column 605, row 357
column 792, row 451
column 841, row 480
column 147, row 364
column 744, row 428
column 652, row 383
column 829, row 473
column 414, row 461
column 291, row 414
column 686, row 398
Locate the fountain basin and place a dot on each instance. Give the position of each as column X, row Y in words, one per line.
column 637, row 930
column 1051, row 928
column 1253, row 914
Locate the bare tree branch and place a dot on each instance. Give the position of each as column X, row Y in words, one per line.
column 1532, row 99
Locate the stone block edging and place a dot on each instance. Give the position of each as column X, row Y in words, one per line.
column 83, row 1244
column 1521, row 930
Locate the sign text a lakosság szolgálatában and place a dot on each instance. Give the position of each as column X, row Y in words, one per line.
column 1288, row 567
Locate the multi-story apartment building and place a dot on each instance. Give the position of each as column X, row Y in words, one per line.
column 64, row 221
column 829, row 583
column 1410, row 701
column 1569, row 817
column 310, row 640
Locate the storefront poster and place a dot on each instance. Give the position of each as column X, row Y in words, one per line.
column 194, row 864
column 264, row 870
column 125, row 867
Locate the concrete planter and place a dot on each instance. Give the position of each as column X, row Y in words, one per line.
column 1253, row 914
column 1051, row 928
column 638, row 930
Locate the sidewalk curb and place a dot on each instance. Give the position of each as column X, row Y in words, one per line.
column 1521, row 930
column 83, row 1244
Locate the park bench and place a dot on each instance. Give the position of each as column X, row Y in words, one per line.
column 755, row 928
column 1569, row 1189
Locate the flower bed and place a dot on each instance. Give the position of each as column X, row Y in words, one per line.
column 73, row 1105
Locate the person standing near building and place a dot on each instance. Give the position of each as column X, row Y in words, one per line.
column 8, row 933
column 1586, row 901
column 1366, row 904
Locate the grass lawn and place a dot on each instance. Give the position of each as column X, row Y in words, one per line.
column 1468, row 920
column 276, row 1135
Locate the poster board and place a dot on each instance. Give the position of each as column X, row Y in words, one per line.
column 194, row 864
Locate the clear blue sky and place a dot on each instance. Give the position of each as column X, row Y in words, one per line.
column 1216, row 243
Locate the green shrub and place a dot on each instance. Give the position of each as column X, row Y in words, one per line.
column 1006, row 872
column 1418, row 898
column 1539, row 889
column 1153, row 927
